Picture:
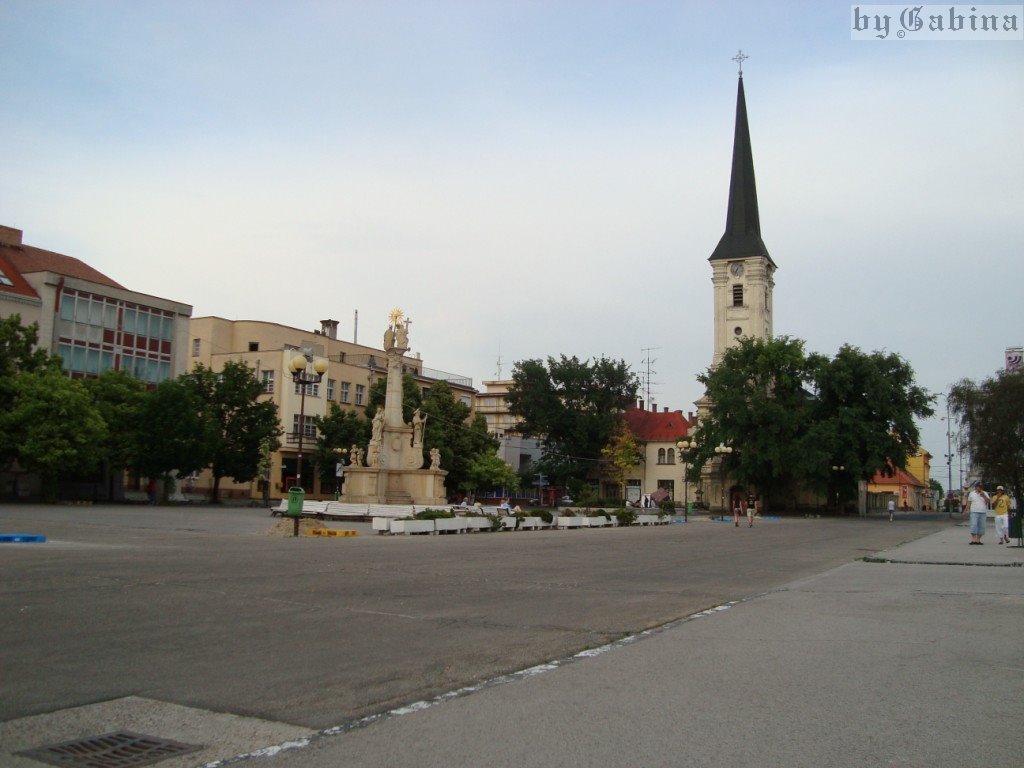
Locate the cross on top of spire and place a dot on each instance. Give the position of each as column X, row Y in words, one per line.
column 739, row 58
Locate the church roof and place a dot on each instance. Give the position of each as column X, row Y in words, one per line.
column 742, row 238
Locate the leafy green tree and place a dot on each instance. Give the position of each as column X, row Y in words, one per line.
column 18, row 355
column 762, row 409
column 992, row 427
column 238, row 422
column 864, row 414
column 119, row 398
column 18, row 352
column 791, row 417
column 572, row 407
column 447, row 430
column 174, row 433
column 339, row 429
column 489, row 471
column 52, row 426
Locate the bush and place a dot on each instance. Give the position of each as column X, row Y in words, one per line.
column 433, row 514
column 543, row 514
column 626, row 516
column 666, row 507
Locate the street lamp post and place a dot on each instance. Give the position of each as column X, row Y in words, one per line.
column 302, row 376
column 837, row 468
column 723, row 450
column 685, row 447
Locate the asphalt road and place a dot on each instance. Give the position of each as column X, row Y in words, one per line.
column 199, row 607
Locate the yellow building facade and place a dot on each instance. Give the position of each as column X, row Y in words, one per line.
column 268, row 348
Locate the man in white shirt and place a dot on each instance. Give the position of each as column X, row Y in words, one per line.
column 977, row 505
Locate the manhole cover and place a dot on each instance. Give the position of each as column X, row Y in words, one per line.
column 123, row 749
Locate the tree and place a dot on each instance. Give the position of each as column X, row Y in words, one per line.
column 119, row 398
column 339, row 429
column 992, row 419
column 790, row 417
column 572, row 407
column 52, row 426
column 446, row 429
column 761, row 408
column 622, row 453
column 174, row 433
column 238, row 422
column 18, row 352
column 864, row 415
column 488, row 470
column 18, row 355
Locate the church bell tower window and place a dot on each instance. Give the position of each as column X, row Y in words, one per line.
column 737, row 295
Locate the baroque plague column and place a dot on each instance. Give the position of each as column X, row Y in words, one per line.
column 394, row 457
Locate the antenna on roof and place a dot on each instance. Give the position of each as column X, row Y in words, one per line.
column 648, row 362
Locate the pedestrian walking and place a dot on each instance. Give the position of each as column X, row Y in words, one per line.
column 977, row 506
column 892, row 509
column 751, row 505
column 738, row 506
column 1001, row 507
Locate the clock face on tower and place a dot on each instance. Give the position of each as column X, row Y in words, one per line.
column 736, row 268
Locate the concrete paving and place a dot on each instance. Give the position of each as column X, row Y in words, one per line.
column 287, row 653
column 894, row 663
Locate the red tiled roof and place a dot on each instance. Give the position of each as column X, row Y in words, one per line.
column 901, row 477
column 27, row 258
column 657, row 427
column 19, row 285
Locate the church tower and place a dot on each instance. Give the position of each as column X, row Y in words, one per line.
column 742, row 269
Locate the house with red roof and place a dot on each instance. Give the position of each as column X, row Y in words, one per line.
column 660, row 474
column 909, row 491
column 93, row 322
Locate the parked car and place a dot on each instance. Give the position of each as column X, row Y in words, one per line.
column 566, row 501
column 534, row 502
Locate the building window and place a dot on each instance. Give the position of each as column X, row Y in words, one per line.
column 308, row 426
column 670, row 457
column 661, row 455
column 254, row 346
column 346, row 393
column 268, row 382
column 737, row 295
column 360, row 394
column 330, row 389
column 4, row 279
column 196, row 344
column 312, row 390
column 668, row 485
column 97, row 333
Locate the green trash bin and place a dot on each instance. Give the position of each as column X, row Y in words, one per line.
column 1015, row 525
column 295, row 498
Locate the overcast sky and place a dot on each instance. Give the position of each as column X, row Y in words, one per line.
column 525, row 178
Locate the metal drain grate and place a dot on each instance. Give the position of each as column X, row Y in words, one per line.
column 122, row 749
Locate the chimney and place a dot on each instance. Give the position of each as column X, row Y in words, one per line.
column 10, row 236
column 665, row 409
column 329, row 328
column 654, row 407
column 689, row 417
column 640, row 404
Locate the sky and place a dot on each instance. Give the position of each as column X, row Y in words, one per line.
column 526, row 179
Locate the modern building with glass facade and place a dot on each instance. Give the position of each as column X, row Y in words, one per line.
column 94, row 323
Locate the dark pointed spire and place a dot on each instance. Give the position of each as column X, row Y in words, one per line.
column 742, row 237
